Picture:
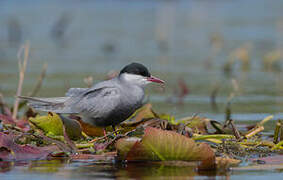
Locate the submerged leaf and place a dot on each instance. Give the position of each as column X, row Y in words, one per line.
column 93, row 157
column 225, row 163
column 277, row 159
column 264, row 167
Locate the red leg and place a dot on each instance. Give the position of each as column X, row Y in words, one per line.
column 104, row 132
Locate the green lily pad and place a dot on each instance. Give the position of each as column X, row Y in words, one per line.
column 50, row 124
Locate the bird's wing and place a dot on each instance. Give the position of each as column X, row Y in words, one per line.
column 98, row 102
column 75, row 91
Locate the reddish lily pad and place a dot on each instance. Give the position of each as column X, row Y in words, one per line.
column 21, row 152
column 7, row 118
column 163, row 145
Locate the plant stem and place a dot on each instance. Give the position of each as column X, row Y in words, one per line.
column 22, row 69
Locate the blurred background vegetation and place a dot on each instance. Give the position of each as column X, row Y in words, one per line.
column 208, row 52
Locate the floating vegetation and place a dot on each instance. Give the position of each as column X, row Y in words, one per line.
column 147, row 137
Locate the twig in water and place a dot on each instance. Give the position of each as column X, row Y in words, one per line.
column 278, row 131
column 103, row 137
column 212, row 136
column 227, row 114
column 259, row 127
column 261, row 123
column 235, row 130
column 1, row 104
column 61, row 145
column 22, row 69
column 254, row 131
column 278, row 145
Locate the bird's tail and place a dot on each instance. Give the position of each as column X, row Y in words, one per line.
column 56, row 104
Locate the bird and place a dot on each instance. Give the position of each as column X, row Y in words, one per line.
column 107, row 103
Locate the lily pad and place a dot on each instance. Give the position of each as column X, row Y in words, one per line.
column 196, row 123
column 163, row 145
column 13, row 151
column 50, row 124
column 90, row 130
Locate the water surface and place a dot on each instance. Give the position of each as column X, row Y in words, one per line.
column 184, row 39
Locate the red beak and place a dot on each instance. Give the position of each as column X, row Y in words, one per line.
column 155, row 79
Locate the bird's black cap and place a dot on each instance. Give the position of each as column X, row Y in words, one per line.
column 136, row 68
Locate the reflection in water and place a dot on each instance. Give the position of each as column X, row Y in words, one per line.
column 191, row 39
column 95, row 171
column 62, row 169
column 144, row 171
column 59, row 169
column 5, row 166
column 46, row 166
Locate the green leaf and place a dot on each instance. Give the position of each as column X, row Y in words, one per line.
column 50, row 124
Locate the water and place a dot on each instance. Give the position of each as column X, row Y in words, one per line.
column 58, row 169
column 188, row 39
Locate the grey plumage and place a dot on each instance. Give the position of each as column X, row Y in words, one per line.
column 55, row 104
column 106, row 103
column 75, row 91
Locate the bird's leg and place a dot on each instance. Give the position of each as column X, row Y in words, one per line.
column 104, row 136
column 113, row 127
column 114, row 130
column 104, row 131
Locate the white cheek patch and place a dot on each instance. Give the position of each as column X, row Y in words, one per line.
column 132, row 77
column 135, row 79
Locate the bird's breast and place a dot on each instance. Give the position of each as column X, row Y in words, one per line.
column 129, row 101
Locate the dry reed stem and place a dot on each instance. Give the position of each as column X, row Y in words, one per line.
column 276, row 132
column 254, row 131
column 37, row 85
column 22, row 68
column 39, row 81
column 235, row 130
column 2, row 109
column 261, row 123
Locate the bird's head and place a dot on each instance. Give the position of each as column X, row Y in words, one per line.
column 138, row 74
